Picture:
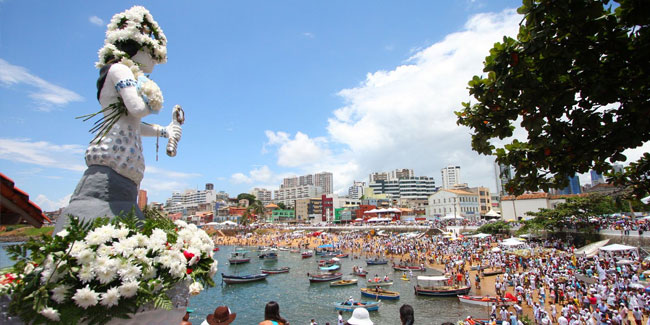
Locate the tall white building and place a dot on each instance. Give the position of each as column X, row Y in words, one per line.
column 450, row 176
column 289, row 195
column 414, row 188
column 180, row 202
column 324, row 179
column 356, row 190
column 262, row 194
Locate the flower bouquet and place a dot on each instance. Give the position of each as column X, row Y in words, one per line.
column 94, row 272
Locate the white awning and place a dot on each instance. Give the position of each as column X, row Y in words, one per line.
column 618, row 248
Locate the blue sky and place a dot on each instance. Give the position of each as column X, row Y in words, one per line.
column 270, row 89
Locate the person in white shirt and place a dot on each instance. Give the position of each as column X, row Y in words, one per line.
column 562, row 320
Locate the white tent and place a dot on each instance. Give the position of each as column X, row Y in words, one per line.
column 451, row 217
column 228, row 223
column 213, row 223
column 393, row 210
column 618, row 248
column 480, row 236
column 512, row 242
column 591, row 249
column 492, row 214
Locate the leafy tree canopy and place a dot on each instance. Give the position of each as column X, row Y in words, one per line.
column 574, row 213
column 246, row 196
column 282, row 206
column 577, row 80
column 499, row 227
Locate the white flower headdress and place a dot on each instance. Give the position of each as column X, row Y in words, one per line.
column 135, row 24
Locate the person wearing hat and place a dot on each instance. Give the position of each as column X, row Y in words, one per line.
column 186, row 318
column 360, row 316
column 221, row 316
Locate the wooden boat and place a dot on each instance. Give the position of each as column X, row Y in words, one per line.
column 341, row 283
column 379, row 293
column 294, row 251
column 276, row 271
column 307, row 254
column 438, row 286
column 486, row 300
column 238, row 258
column 269, row 255
column 330, row 268
column 346, row 306
column 361, row 274
column 408, row 268
column 342, row 255
column 376, row 261
column 405, row 278
column 324, row 277
column 333, row 261
column 216, row 249
column 235, row 279
column 284, row 249
column 380, row 283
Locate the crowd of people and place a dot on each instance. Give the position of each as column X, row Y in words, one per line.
column 550, row 283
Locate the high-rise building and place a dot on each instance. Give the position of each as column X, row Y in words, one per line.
column 189, row 200
column 400, row 174
column 209, row 186
column 376, row 177
column 596, row 178
column 502, row 174
column 356, row 190
column 450, row 176
column 289, row 195
column 419, row 187
column 618, row 168
column 262, row 194
column 573, row 187
column 324, row 180
column 142, row 199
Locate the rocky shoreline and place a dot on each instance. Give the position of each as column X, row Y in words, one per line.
column 9, row 239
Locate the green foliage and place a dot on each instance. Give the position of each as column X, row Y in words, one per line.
column 576, row 78
column 636, row 176
column 282, row 206
column 574, row 213
column 246, row 196
column 499, row 227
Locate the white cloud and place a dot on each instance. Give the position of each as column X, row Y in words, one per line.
column 46, row 93
column 299, row 151
column 96, row 21
column 51, row 205
column 308, row 35
column 239, row 178
column 169, row 173
column 261, row 174
column 42, row 153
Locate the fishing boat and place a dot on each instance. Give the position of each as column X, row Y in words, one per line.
column 408, row 268
column 307, row 254
column 341, row 283
column 486, row 300
column 342, row 255
column 238, row 257
column 269, row 255
column 376, row 261
column 330, row 268
column 380, row 283
column 327, row 277
column 294, row 251
column 438, row 286
column 284, row 249
column 347, row 306
column 275, row 271
column 405, row 277
column 216, row 249
column 359, row 273
column 235, row 279
column 379, row 293
column 329, row 262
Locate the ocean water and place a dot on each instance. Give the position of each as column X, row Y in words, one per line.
column 301, row 300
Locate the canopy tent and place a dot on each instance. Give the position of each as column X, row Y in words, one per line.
column 618, row 248
column 512, row 242
column 395, row 210
column 492, row 214
column 213, row 223
column 480, row 236
column 372, row 211
column 228, row 223
column 451, row 217
column 375, row 219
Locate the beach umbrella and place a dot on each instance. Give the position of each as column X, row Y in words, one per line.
column 326, row 246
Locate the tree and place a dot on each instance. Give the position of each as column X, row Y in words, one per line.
column 282, row 206
column 576, row 79
column 246, row 196
column 575, row 213
column 499, row 227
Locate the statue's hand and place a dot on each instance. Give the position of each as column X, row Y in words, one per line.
column 174, row 131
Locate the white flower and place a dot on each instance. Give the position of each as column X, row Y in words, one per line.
column 195, row 288
column 130, row 272
column 59, row 292
column 129, row 289
column 28, row 268
column 85, row 297
column 213, row 268
column 86, row 274
column 85, row 257
column 62, row 233
column 50, row 313
column 180, row 223
column 111, row 297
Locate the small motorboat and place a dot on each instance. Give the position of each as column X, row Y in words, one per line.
column 380, row 283
column 330, row 268
column 361, row 274
column 408, row 268
column 276, row 271
column 235, row 279
column 216, row 249
column 486, row 300
column 329, row 262
column 271, row 254
column 238, row 257
column 307, row 254
column 376, row 261
column 327, row 277
column 342, row 255
column 347, row 306
column 379, row 293
column 439, row 286
column 341, row 283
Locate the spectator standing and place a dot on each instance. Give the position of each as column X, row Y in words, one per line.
column 272, row 315
column 406, row 315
